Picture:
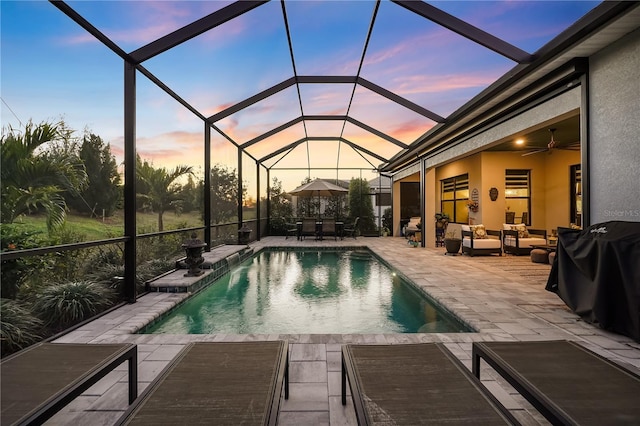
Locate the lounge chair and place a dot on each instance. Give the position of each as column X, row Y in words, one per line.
column 217, row 383
column 566, row 382
column 39, row 381
column 416, row 384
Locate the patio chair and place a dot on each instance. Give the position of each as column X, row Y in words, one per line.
column 478, row 240
column 351, row 230
column 519, row 240
column 39, row 381
column 410, row 384
column 412, row 226
column 217, row 383
column 566, row 382
column 291, row 229
column 329, row 228
column 510, row 217
column 308, row 227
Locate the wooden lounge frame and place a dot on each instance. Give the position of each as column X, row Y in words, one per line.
column 217, row 383
column 564, row 381
column 416, row 384
column 39, row 381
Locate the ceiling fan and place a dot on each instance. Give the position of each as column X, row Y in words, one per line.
column 550, row 145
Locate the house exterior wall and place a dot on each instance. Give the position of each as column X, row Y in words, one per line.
column 614, row 131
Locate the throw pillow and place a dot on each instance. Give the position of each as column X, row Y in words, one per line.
column 479, row 232
column 522, row 230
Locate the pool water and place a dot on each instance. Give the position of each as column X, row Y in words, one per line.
column 308, row 292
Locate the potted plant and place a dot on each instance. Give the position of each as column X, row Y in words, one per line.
column 385, row 231
column 452, row 243
column 442, row 220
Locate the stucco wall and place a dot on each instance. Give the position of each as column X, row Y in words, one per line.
column 615, row 131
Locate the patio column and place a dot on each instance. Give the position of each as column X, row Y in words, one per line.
column 584, row 149
column 207, row 185
column 268, row 201
column 240, row 218
column 422, row 203
column 130, row 293
column 258, row 218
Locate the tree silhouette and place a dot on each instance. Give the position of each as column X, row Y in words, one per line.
column 158, row 189
column 103, row 191
column 32, row 179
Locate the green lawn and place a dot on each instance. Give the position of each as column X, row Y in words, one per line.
column 96, row 229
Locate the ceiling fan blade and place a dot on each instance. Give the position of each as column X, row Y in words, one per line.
column 535, row 152
column 571, row 147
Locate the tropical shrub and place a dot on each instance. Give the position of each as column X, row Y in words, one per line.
column 65, row 304
column 18, row 327
column 15, row 272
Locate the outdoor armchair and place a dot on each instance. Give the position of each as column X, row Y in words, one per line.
column 518, row 239
column 478, row 240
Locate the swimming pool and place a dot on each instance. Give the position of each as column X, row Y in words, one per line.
column 308, row 292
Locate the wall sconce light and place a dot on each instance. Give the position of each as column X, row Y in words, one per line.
column 493, row 194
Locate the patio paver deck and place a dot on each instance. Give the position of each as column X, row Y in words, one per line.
column 501, row 305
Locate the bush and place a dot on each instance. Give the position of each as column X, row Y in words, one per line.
column 16, row 272
column 18, row 327
column 62, row 305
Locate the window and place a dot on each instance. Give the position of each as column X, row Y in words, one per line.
column 576, row 195
column 383, row 199
column 409, row 199
column 453, row 198
column 517, row 194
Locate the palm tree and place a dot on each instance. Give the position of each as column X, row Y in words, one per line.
column 31, row 179
column 158, row 189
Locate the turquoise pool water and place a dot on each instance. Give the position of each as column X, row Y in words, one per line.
column 308, row 292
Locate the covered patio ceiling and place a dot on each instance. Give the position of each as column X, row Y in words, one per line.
column 325, row 84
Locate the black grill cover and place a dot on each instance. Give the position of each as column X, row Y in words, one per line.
column 596, row 272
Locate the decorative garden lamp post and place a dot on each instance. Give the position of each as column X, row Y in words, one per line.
column 194, row 248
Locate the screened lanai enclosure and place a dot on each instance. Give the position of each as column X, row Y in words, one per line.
column 213, row 111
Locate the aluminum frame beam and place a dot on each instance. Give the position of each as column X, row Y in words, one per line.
column 324, row 118
column 326, row 80
column 467, row 30
column 194, row 29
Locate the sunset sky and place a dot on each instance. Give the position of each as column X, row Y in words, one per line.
column 52, row 69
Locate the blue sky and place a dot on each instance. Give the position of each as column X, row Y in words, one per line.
column 52, row 69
